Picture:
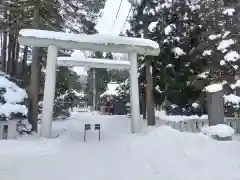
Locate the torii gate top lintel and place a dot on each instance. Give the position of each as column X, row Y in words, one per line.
column 95, row 42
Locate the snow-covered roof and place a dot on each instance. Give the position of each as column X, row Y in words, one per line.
column 96, row 42
column 81, row 71
column 111, row 89
column 93, row 63
column 78, row 54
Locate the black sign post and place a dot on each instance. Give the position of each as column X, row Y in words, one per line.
column 87, row 127
column 97, row 127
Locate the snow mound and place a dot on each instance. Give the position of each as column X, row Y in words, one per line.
column 221, row 130
column 179, row 118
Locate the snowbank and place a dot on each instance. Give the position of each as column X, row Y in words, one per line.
column 179, row 118
column 160, row 153
column 221, row 130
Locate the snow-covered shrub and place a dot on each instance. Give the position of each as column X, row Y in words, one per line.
column 12, row 101
column 187, row 110
column 231, row 104
column 64, row 104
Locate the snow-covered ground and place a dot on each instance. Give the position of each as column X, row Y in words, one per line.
column 158, row 153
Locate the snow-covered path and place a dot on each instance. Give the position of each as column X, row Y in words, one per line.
column 161, row 153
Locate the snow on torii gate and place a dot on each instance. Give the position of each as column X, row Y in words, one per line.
column 118, row 44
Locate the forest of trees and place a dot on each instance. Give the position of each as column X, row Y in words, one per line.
column 199, row 42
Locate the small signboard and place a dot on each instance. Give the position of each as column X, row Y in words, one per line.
column 97, row 127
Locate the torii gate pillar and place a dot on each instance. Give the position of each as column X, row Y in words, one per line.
column 49, row 92
column 134, row 93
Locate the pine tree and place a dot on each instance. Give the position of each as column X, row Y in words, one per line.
column 177, row 28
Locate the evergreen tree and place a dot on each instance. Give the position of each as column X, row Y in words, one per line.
column 101, row 81
column 176, row 27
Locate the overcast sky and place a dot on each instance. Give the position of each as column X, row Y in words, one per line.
column 105, row 24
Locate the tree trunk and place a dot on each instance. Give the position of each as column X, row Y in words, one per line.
column 149, row 87
column 144, row 105
column 4, row 51
column 35, row 70
column 94, row 89
column 14, row 43
column 149, row 94
column 15, row 54
column 4, row 43
column 10, row 60
column 23, row 64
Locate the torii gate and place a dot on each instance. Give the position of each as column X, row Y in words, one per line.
column 118, row 44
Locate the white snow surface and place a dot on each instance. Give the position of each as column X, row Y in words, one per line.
column 232, row 98
column 232, row 56
column 78, row 54
column 203, row 75
column 7, row 109
column 222, row 63
column 224, row 44
column 195, row 105
column 229, row 11
column 178, row 51
column 152, row 26
column 221, row 130
column 168, row 29
column 111, row 89
column 157, row 153
column 237, row 84
column 214, row 36
column 179, row 118
column 207, row 53
column 214, row 88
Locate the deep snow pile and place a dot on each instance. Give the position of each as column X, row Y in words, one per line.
column 161, row 115
column 221, row 130
column 12, row 99
column 159, row 153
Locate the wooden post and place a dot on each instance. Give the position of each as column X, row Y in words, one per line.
column 215, row 108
